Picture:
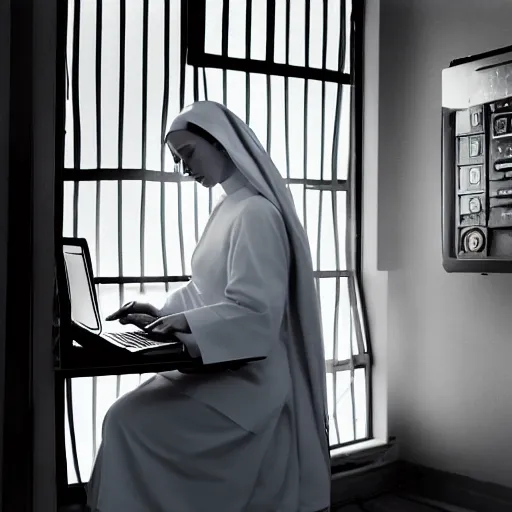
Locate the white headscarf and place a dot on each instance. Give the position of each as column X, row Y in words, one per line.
column 306, row 355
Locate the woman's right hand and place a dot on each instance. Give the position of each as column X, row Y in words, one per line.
column 139, row 314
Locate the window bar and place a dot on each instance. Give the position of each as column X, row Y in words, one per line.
column 341, row 65
column 269, row 114
column 145, row 35
column 71, row 423
column 225, row 33
column 322, row 139
column 271, row 25
column 99, row 34
column 334, row 159
column 108, row 174
column 306, row 104
column 355, row 300
column 137, row 280
column 352, row 372
column 287, row 95
column 120, row 145
column 76, row 192
column 248, row 31
column 205, row 85
column 183, row 70
column 343, row 37
column 335, row 357
column 320, row 274
column 196, row 83
column 76, row 110
column 210, row 194
column 165, row 113
column 196, row 207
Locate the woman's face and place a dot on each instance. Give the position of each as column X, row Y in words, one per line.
column 207, row 164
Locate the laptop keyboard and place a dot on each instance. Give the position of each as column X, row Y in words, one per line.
column 134, row 341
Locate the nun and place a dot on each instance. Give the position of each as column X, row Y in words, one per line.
column 254, row 437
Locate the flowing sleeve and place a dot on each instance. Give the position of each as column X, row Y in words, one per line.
column 246, row 323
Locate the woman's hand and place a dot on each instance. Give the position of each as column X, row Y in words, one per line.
column 169, row 324
column 139, row 314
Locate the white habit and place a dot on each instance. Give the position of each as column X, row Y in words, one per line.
column 223, row 442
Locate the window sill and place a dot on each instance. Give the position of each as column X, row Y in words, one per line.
column 360, row 456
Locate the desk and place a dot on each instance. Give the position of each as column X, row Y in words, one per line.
column 79, row 362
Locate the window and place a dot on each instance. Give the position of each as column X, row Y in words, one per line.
column 286, row 68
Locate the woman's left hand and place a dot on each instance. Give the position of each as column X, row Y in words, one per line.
column 169, row 324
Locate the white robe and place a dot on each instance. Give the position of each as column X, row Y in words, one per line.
column 194, row 443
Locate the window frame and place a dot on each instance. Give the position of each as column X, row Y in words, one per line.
column 193, row 54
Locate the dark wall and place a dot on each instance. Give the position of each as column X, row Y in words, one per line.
column 4, row 172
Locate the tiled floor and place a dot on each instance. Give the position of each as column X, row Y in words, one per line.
column 397, row 503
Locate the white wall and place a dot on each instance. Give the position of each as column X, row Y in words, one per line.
column 447, row 338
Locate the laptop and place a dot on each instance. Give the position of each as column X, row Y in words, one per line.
column 85, row 322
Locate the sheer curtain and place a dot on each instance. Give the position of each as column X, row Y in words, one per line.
column 125, row 74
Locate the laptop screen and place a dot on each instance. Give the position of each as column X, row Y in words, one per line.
column 83, row 311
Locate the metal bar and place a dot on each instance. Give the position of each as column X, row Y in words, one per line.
column 76, row 198
column 99, row 45
column 271, row 28
column 248, row 35
column 271, row 23
column 205, row 85
column 287, row 93
column 196, row 82
column 356, row 182
column 317, row 274
column 343, row 36
column 165, row 113
column 352, row 369
column 71, row 423
column 307, row 6
column 145, row 36
column 183, row 49
column 137, row 280
column 196, row 207
column 269, row 115
column 196, row 34
column 335, row 229
column 225, row 34
column 335, row 354
column 99, row 29
column 334, row 160
column 123, row 174
column 120, row 145
column 61, row 94
column 210, row 195
column 359, row 361
column 75, row 85
column 183, row 70
column 337, row 185
column 176, row 177
column 208, row 60
column 322, row 137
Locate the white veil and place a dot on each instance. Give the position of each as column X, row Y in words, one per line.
column 306, row 356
